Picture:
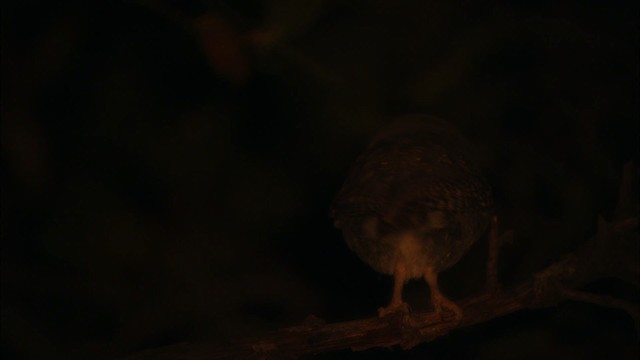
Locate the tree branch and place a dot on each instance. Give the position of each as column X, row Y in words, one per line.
column 406, row 331
column 599, row 257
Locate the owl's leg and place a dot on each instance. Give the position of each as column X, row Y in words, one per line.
column 396, row 305
column 440, row 302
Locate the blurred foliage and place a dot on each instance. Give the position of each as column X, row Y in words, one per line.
column 167, row 166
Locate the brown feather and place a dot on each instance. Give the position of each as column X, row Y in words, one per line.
column 415, row 178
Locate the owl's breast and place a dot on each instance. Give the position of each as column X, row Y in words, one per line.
column 436, row 244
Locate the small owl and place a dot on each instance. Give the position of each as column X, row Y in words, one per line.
column 413, row 204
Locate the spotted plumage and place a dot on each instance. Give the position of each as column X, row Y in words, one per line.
column 414, row 202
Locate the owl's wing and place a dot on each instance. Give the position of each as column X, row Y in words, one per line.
column 369, row 178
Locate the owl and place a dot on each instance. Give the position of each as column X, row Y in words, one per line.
column 413, row 204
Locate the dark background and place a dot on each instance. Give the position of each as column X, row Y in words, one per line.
column 167, row 166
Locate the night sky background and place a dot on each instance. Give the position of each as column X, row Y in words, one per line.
column 168, row 167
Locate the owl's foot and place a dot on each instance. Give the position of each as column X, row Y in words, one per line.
column 397, row 308
column 396, row 305
column 444, row 307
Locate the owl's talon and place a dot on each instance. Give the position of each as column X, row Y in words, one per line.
column 445, row 307
column 400, row 308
